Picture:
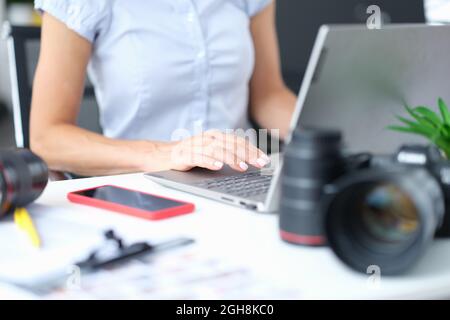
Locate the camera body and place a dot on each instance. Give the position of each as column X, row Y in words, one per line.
column 410, row 158
column 379, row 210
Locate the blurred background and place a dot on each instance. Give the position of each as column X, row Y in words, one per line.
column 20, row 12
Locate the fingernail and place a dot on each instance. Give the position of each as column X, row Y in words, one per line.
column 266, row 158
column 218, row 164
column 261, row 162
column 243, row 166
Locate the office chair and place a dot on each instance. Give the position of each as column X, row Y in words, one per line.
column 298, row 23
column 23, row 53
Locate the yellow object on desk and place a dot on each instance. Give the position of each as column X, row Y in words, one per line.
column 23, row 220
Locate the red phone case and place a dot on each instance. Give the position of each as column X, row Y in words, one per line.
column 184, row 208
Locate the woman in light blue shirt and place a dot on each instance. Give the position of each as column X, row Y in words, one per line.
column 158, row 67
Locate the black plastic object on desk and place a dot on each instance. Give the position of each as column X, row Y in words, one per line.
column 125, row 253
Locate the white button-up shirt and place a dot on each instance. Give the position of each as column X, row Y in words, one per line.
column 163, row 65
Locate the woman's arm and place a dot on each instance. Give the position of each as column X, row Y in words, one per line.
column 272, row 103
column 57, row 94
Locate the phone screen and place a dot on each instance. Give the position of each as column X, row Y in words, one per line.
column 129, row 198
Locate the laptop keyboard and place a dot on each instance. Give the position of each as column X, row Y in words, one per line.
column 245, row 185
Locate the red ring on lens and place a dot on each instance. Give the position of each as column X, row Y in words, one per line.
column 303, row 240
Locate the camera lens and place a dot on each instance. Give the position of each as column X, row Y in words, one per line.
column 312, row 160
column 388, row 215
column 384, row 218
column 23, row 177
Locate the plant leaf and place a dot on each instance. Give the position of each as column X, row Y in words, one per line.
column 402, row 129
column 444, row 145
column 425, row 129
column 417, row 131
column 428, row 114
column 444, row 111
column 428, row 125
column 421, row 119
column 445, row 131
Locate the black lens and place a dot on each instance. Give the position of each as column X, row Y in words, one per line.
column 384, row 218
column 23, row 177
column 312, row 160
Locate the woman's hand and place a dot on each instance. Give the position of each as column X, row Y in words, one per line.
column 213, row 150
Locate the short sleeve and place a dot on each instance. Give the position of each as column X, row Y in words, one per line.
column 256, row 6
column 88, row 18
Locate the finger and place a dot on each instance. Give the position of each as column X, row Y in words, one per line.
column 205, row 161
column 223, row 155
column 186, row 156
column 238, row 146
column 244, row 149
column 230, row 158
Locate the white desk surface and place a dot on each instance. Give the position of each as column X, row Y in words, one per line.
column 253, row 239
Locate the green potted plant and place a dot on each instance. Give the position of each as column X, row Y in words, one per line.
column 428, row 124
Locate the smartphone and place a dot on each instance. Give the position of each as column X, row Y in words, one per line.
column 134, row 203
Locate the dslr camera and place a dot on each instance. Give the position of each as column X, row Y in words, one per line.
column 381, row 210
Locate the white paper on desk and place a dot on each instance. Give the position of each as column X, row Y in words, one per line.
column 63, row 244
column 186, row 273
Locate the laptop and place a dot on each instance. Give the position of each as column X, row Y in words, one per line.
column 357, row 81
